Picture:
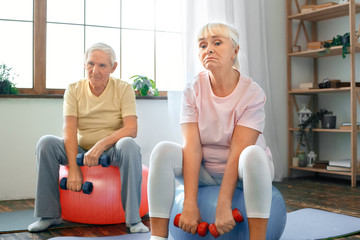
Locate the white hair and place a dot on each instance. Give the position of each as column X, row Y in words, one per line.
column 222, row 30
column 102, row 47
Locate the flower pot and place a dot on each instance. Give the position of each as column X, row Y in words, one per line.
column 328, row 122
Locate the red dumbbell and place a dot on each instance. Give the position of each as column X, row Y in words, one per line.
column 237, row 217
column 202, row 228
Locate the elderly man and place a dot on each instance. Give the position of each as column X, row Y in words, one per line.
column 99, row 116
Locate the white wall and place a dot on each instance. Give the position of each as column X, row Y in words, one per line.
column 24, row 121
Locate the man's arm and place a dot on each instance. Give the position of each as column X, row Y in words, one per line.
column 71, row 147
column 129, row 129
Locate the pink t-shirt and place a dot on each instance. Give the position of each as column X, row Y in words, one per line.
column 218, row 116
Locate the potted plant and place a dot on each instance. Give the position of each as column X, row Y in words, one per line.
column 6, row 78
column 311, row 122
column 339, row 40
column 144, row 86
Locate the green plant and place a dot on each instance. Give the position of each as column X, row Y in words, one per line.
column 311, row 122
column 339, row 40
column 6, row 78
column 144, row 86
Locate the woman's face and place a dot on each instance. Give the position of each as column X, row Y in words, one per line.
column 98, row 68
column 217, row 52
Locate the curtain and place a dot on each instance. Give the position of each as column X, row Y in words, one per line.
column 249, row 18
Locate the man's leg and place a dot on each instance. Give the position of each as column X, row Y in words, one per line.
column 126, row 155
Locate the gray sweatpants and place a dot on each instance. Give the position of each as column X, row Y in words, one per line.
column 50, row 153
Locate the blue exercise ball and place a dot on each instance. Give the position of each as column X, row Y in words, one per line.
column 207, row 201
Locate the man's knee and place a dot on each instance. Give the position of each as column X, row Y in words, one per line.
column 47, row 142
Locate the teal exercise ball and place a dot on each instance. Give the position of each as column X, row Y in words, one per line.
column 207, row 200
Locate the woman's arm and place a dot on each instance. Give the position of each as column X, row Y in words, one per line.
column 242, row 138
column 71, row 147
column 192, row 154
column 129, row 129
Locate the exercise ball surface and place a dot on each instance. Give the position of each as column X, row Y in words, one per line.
column 103, row 205
column 207, row 201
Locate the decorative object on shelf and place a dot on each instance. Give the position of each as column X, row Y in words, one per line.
column 311, row 158
column 295, row 161
column 304, row 114
column 339, row 40
column 302, row 158
column 328, row 122
column 307, row 85
column 144, row 86
column 6, row 80
column 311, row 122
column 314, row 45
column 330, row 83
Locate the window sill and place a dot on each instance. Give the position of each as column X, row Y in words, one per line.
column 60, row 96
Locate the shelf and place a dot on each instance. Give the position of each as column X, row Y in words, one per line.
column 327, row 13
column 335, row 130
column 320, row 170
column 334, row 51
column 320, row 90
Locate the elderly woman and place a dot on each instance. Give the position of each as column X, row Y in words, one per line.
column 99, row 116
column 222, row 121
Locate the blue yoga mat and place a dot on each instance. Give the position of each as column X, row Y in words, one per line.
column 18, row 221
column 301, row 224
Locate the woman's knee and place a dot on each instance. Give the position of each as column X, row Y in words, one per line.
column 253, row 158
column 165, row 152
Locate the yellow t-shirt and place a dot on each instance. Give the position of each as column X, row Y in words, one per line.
column 98, row 117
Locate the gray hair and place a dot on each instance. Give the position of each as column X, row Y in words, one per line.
column 102, row 47
column 222, row 30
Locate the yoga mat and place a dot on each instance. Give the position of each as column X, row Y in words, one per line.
column 311, row 223
column 304, row 224
column 18, row 221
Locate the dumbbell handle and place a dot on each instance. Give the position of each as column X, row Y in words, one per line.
column 237, row 217
column 202, row 228
column 104, row 160
column 87, row 187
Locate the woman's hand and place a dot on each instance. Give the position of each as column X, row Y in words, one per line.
column 224, row 220
column 190, row 218
column 74, row 179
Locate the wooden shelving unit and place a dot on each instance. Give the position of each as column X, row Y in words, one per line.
column 349, row 9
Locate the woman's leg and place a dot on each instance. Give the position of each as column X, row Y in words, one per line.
column 256, row 172
column 165, row 165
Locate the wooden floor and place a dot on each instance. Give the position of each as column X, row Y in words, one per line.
column 321, row 193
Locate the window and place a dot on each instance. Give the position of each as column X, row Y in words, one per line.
column 16, row 43
column 147, row 36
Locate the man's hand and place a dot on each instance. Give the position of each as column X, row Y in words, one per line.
column 74, row 179
column 92, row 157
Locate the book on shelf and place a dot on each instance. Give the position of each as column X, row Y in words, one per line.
column 306, row 85
column 340, row 163
column 338, row 169
column 313, row 7
column 321, row 164
column 347, row 125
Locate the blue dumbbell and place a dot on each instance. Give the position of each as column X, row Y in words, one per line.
column 87, row 187
column 104, row 160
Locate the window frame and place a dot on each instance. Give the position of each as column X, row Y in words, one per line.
column 39, row 57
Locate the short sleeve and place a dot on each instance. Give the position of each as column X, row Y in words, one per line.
column 189, row 111
column 253, row 115
column 70, row 107
column 127, row 102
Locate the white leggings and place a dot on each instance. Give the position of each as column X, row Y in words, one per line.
column 256, row 173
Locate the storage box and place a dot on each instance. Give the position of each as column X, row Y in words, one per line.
column 314, row 45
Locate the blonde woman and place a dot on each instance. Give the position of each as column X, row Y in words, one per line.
column 222, row 121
